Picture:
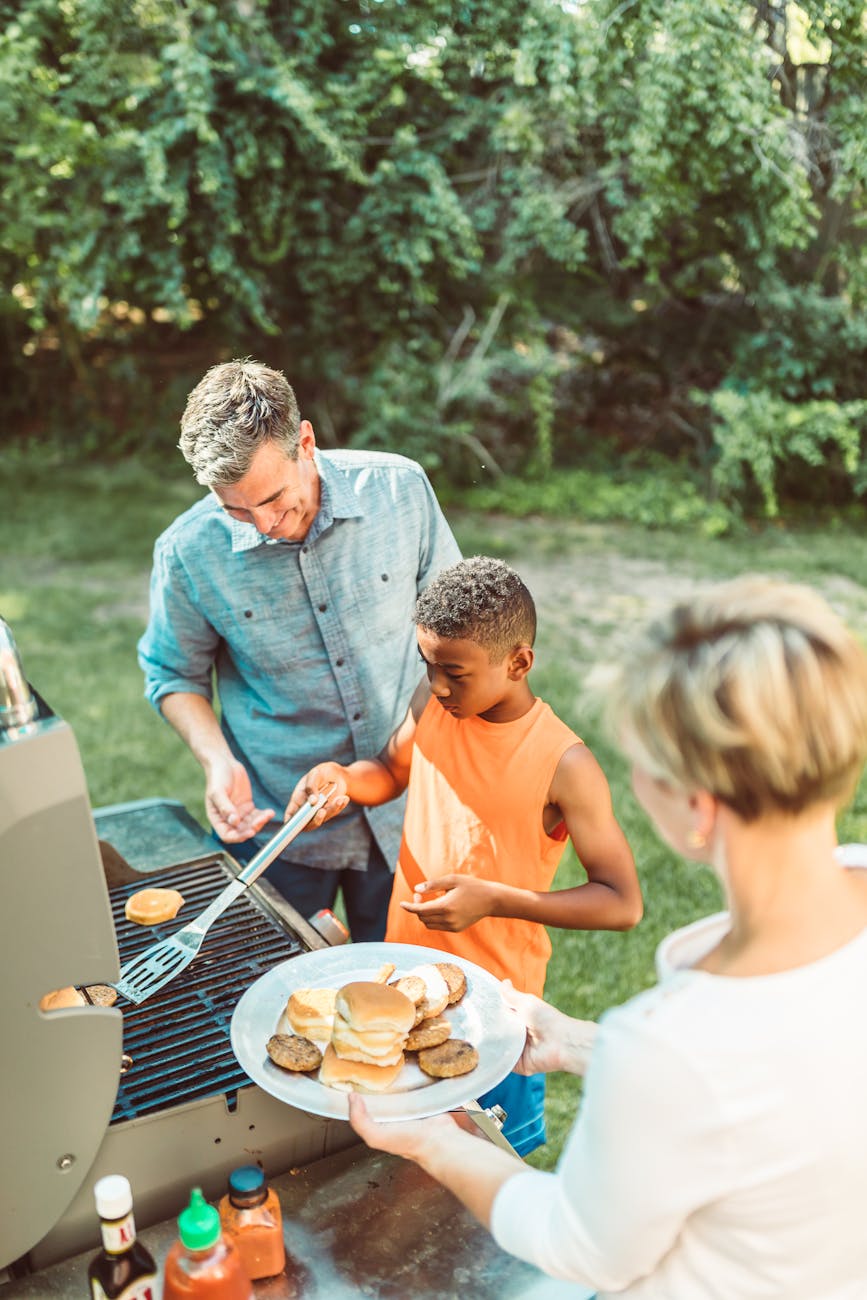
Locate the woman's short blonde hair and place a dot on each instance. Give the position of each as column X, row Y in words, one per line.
column 753, row 690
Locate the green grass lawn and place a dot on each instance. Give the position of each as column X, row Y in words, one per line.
column 75, row 546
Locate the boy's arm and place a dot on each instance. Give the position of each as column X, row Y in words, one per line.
column 367, row 781
column 609, row 900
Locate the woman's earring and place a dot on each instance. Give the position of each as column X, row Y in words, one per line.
column 696, row 840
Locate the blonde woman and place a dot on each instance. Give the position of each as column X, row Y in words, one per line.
column 721, row 1146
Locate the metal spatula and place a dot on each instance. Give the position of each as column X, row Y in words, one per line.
column 152, row 969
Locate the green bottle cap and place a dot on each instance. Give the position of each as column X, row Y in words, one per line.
column 199, row 1223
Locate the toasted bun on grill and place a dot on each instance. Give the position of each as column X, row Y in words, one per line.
column 57, row 998
column 349, row 1076
column 371, row 1022
column 310, row 1012
column 151, row 906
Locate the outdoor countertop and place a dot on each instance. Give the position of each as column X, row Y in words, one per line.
column 356, row 1224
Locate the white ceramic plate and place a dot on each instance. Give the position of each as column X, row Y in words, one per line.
column 481, row 1017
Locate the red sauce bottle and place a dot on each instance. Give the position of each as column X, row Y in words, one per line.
column 250, row 1215
column 203, row 1264
column 123, row 1269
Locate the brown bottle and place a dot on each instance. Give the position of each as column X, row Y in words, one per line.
column 123, row 1269
column 250, row 1215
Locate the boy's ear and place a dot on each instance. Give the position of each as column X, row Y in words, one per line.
column 520, row 662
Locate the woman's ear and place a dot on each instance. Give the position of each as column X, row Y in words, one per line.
column 520, row 662
column 702, row 815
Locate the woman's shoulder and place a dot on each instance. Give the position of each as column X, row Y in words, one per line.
column 684, row 948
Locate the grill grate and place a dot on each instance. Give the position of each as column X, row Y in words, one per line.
column 178, row 1041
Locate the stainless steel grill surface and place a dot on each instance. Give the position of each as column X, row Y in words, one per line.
column 177, row 1043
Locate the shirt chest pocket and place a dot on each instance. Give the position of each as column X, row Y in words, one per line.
column 386, row 598
column 268, row 638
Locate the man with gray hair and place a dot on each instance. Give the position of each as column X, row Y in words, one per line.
column 290, row 590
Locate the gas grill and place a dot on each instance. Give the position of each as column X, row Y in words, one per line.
column 153, row 1091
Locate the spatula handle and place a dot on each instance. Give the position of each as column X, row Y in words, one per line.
column 284, row 836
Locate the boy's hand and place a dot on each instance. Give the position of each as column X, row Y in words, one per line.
column 462, row 901
column 311, row 784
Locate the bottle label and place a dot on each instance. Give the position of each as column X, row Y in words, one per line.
column 144, row 1288
column 119, row 1234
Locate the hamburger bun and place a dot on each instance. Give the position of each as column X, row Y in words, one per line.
column 436, row 995
column 310, row 1012
column 57, row 998
column 371, row 1022
column 357, row 1076
column 151, row 906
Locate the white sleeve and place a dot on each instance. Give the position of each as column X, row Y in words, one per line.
column 648, row 1148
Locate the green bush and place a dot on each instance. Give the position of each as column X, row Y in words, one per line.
column 656, row 495
column 765, row 443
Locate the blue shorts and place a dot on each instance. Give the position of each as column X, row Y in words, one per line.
column 522, row 1097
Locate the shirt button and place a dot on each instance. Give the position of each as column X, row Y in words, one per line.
column 355, row 717
column 384, row 577
column 339, row 663
column 248, row 613
column 322, row 609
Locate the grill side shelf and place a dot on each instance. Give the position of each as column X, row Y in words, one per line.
column 177, row 1043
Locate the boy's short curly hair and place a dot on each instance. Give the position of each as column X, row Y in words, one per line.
column 481, row 600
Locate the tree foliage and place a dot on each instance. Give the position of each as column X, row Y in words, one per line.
column 497, row 234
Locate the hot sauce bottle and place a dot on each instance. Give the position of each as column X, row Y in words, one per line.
column 250, row 1215
column 204, row 1264
column 123, row 1269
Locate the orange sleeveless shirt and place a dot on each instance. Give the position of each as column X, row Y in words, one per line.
column 476, row 794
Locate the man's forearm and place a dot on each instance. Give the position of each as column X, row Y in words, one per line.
column 193, row 718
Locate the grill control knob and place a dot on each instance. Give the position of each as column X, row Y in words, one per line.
column 333, row 931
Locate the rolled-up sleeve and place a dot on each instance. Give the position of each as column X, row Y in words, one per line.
column 177, row 650
column 645, row 1151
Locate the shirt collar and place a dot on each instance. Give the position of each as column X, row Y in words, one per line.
column 337, row 501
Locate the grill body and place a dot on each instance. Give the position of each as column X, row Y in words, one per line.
column 185, row 1113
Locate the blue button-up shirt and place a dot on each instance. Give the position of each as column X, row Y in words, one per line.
column 311, row 645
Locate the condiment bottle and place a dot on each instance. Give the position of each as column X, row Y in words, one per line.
column 123, row 1269
column 203, row 1264
column 250, row 1215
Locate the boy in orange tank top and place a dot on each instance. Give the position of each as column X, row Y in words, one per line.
column 496, row 783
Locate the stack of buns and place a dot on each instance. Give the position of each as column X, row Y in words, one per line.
column 371, row 1024
column 357, row 1036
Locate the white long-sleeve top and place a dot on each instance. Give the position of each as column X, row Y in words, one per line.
column 721, row 1148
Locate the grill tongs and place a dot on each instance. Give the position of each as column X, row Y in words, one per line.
column 152, row 969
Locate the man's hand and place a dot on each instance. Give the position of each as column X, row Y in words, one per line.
column 229, row 802
column 319, row 778
column 554, row 1041
column 463, row 901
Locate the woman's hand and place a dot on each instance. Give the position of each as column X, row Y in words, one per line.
column 319, row 778
column 554, row 1041
column 413, row 1140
